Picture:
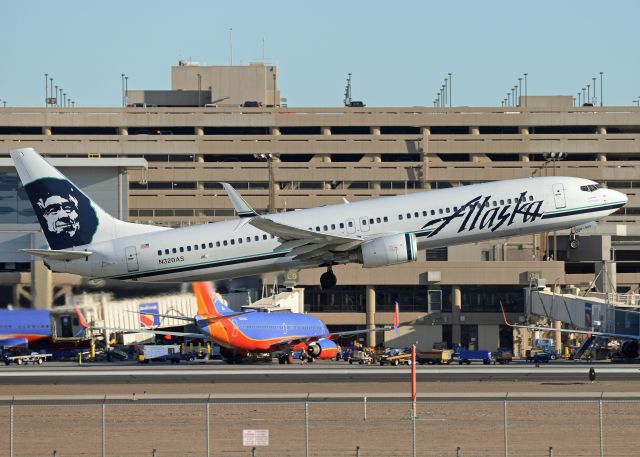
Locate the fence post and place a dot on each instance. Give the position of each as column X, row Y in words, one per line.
column 506, row 433
column 357, row 451
column 365, row 408
column 306, row 428
column 11, row 428
column 208, row 428
column 551, row 451
column 104, row 427
column 601, row 428
column 413, row 421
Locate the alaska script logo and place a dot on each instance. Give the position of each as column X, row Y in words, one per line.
column 476, row 214
column 65, row 214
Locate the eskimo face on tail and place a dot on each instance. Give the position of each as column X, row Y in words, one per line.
column 65, row 214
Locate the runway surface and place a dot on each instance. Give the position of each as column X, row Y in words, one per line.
column 317, row 373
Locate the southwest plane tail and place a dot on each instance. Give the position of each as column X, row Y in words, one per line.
column 69, row 218
column 208, row 305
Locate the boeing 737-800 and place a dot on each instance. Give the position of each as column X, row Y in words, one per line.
column 85, row 240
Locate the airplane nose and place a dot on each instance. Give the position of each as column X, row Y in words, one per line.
column 619, row 196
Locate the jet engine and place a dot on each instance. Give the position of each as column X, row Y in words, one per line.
column 388, row 250
column 630, row 349
column 322, row 349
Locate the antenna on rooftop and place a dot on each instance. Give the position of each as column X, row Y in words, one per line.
column 347, row 92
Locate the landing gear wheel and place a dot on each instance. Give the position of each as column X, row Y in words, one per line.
column 328, row 280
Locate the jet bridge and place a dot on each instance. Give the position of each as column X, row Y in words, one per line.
column 619, row 313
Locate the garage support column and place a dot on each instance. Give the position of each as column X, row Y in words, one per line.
column 124, row 131
column 426, row 132
column 602, row 131
column 46, row 131
column 41, row 285
column 456, row 309
column 557, row 337
column 377, row 158
column 524, row 131
column 371, row 315
column 199, row 131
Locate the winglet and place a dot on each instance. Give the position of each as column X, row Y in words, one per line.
column 396, row 319
column 239, row 204
column 81, row 318
column 504, row 316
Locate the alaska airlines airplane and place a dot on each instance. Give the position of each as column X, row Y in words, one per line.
column 85, row 240
column 240, row 334
column 21, row 327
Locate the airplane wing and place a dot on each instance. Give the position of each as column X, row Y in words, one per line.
column 305, row 244
column 58, row 254
column 566, row 330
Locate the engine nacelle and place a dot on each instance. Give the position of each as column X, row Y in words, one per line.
column 388, row 250
column 630, row 349
column 322, row 349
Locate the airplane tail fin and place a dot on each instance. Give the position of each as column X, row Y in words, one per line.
column 68, row 217
column 396, row 319
column 208, row 303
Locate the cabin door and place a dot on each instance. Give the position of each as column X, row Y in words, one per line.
column 132, row 258
column 351, row 226
column 558, row 196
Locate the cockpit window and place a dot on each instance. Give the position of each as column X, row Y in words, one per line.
column 590, row 188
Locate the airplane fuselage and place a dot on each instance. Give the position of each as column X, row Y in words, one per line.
column 436, row 218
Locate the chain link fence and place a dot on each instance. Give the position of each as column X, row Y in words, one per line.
column 323, row 427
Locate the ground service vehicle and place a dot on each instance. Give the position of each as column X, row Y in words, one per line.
column 435, row 357
column 503, row 356
column 397, row 357
column 160, row 353
column 34, row 357
column 361, row 357
column 467, row 356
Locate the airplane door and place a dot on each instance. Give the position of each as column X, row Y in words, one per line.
column 364, row 224
column 234, row 331
column 558, row 196
column 132, row 258
column 351, row 226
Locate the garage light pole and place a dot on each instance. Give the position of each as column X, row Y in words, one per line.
column 269, row 158
column 601, row 101
column 199, row 88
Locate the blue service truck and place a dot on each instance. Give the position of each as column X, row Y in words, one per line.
column 467, row 356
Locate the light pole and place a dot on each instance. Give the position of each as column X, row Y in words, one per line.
column 520, row 89
column 450, row 90
column 199, row 86
column 588, row 100
column 269, row 158
column 122, row 88
column 579, row 99
column 525, row 89
column 584, row 95
column 601, row 101
column 594, row 90
column 56, row 95
column 46, row 88
column 60, row 102
column 126, row 90
column 274, row 90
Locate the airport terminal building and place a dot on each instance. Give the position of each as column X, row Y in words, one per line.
column 169, row 151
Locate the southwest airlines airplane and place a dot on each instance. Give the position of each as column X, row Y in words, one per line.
column 83, row 239
column 21, row 327
column 240, row 334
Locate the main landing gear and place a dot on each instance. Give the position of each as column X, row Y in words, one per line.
column 328, row 279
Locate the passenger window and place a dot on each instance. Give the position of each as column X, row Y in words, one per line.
column 325, row 228
column 364, row 222
column 416, row 214
column 350, row 224
column 233, row 242
column 447, row 210
column 370, row 221
column 317, row 229
column 188, row 248
column 386, row 219
column 225, row 242
column 203, row 246
column 159, row 251
column 273, row 236
column 181, row 249
column 424, row 213
column 501, row 202
column 195, row 247
column 217, row 244
column 378, row 220
column 256, row 238
column 440, row 211
column 264, row 237
column 166, row 251
column 333, row 226
column 495, row 203
column 239, row 240
column 530, row 198
column 248, row 239
column 341, row 225
column 400, row 217
column 509, row 201
column 210, row 244
column 174, row 250
column 433, row 213
column 455, row 208
column 408, row 215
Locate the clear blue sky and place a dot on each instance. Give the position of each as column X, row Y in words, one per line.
column 399, row 52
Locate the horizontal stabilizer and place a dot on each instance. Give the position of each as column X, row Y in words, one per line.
column 57, row 254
